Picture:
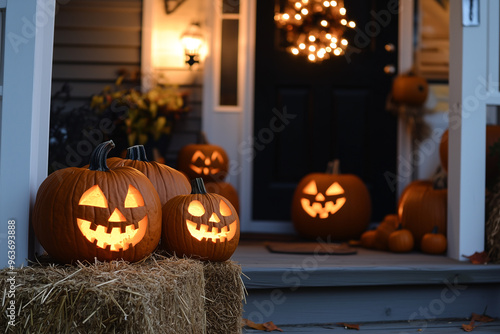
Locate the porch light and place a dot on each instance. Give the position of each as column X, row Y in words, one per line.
column 313, row 27
column 192, row 40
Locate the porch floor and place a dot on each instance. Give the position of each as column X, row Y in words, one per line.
column 367, row 267
column 383, row 292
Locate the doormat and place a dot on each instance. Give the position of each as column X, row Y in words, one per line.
column 310, row 248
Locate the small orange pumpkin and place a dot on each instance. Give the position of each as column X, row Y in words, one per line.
column 367, row 239
column 225, row 189
column 384, row 230
column 409, row 89
column 401, row 240
column 434, row 242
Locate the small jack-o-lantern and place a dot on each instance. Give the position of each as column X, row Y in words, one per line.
column 210, row 162
column 410, row 90
column 82, row 214
column 200, row 225
column 331, row 205
column 167, row 181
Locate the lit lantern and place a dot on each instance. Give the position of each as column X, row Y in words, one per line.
column 167, row 181
column 331, row 205
column 200, row 225
column 97, row 213
column 210, row 162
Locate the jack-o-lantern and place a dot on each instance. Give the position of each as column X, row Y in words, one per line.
column 82, row 214
column 208, row 161
column 200, row 225
column 167, row 181
column 331, row 205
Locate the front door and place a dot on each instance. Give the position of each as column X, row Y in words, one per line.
column 307, row 114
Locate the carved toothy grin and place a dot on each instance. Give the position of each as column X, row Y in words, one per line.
column 214, row 234
column 115, row 239
column 316, row 208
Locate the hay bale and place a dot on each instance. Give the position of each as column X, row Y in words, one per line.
column 224, row 292
column 158, row 295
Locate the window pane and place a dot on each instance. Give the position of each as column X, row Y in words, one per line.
column 229, row 63
column 230, row 6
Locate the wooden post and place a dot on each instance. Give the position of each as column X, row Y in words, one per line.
column 467, row 134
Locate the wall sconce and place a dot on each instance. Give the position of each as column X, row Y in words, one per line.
column 192, row 40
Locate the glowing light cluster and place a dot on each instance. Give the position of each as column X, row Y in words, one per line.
column 314, row 28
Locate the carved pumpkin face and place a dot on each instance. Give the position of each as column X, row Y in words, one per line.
column 331, row 205
column 83, row 214
column 317, row 204
column 201, row 225
column 118, row 233
column 210, row 162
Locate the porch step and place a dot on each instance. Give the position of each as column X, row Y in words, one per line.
column 370, row 286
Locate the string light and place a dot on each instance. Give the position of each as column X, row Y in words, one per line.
column 314, row 28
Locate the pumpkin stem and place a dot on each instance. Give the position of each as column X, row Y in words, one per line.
column 99, row 156
column 400, row 226
column 197, row 186
column 137, row 152
column 203, row 138
column 333, row 167
column 435, row 229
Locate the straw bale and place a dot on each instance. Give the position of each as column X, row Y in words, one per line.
column 492, row 229
column 158, row 295
column 225, row 293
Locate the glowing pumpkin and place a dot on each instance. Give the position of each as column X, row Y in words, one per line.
column 331, row 204
column 200, row 225
column 210, row 162
column 82, row 214
column 167, row 181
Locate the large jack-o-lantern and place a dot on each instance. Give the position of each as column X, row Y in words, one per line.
column 207, row 161
column 82, row 214
column 331, row 205
column 201, row 225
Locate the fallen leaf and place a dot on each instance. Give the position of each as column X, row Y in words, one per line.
column 481, row 318
column 349, row 326
column 270, row 326
column 478, row 258
column 267, row 327
column 468, row 327
column 253, row 325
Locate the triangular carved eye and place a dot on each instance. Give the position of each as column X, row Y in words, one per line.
column 216, row 156
column 198, row 155
column 225, row 210
column 94, row 197
column 134, row 198
column 196, row 209
column 334, row 189
column 310, row 188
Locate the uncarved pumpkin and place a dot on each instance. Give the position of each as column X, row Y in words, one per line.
column 434, row 242
column 492, row 137
column 97, row 213
column 388, row 225
column 421, row 207
column 410, row 90
column 167, row 181
column 200, row 225
column 401, row 240
column 225, row 189
column 331, row 205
